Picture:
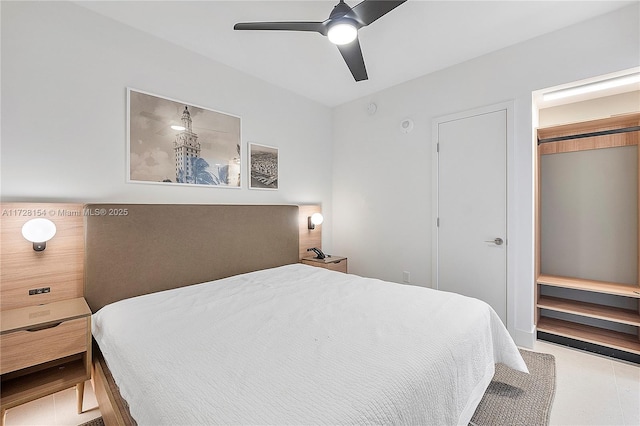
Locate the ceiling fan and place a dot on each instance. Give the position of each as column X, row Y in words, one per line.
column 341, row 28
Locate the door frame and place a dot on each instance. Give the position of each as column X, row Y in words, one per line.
column 510, row 237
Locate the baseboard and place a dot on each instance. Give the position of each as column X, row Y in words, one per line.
column 524, row 339
column 590, row 347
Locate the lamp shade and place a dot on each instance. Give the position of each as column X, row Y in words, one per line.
column 343, row 32
column 38, row 230
column 317, row 218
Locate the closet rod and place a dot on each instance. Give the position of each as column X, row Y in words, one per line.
column 591, row 134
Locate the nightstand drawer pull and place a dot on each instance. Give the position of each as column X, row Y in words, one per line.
column 44, row 327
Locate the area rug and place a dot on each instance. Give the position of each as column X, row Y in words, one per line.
column 515, row 398
column 512, row 398
column 95, row 422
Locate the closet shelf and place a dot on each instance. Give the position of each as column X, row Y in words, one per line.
column 586, row 333
column 592, row 310
column 626, row 290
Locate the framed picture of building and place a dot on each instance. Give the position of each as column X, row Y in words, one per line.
column 173, row 142
column 263, row 166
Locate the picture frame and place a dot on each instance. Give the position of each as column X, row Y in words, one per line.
column 172, row 142
column 263, row 167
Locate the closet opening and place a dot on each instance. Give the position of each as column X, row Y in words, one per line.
column 587, row 268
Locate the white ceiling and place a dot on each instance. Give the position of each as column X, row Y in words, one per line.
column 417, row 38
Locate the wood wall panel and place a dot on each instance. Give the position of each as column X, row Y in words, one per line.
column 537, row 232
column 592, row 142
column 309, row 237
column 60, row 266
column 603, row 124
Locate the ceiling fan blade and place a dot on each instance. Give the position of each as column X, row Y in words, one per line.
column 368, row 11
column 319, row 27
column 352, row 54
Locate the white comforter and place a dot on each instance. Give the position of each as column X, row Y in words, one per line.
column 302, row 345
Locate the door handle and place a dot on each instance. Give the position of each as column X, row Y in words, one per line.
column 497, row 241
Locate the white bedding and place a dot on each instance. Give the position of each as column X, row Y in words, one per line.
column 302, row 345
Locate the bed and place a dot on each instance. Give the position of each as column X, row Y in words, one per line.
column 287, row 343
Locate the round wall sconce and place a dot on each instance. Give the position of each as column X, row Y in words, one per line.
column 406, row 125
column 39, row 231
column 314, row 219
column 372, row 108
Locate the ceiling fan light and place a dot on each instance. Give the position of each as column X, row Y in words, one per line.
column 342, row 33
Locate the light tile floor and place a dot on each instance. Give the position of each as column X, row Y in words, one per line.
column 590, row 390
column 55, row 410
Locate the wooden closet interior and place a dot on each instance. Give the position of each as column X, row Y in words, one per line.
column 587, row 264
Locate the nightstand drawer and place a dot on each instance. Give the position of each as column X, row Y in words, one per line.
column 340, row 266
column 334, row 263
column 24, row 348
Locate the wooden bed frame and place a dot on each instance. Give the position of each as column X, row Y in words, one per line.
column 139, row 249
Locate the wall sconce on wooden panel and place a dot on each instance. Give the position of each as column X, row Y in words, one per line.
column 314, row 219
column 39, row 231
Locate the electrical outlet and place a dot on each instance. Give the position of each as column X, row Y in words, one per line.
column 406, row 277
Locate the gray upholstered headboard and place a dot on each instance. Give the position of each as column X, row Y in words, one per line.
column 135, row 249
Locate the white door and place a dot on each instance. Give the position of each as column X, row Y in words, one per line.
column 471, row 208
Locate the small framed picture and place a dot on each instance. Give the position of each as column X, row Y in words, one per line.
column 263, row 166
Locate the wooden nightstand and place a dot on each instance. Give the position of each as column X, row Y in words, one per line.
column 334, row 263
column 44, row 349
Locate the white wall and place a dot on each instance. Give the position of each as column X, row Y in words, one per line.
column 592, row 109
column 64, row 76
column 382, row 178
